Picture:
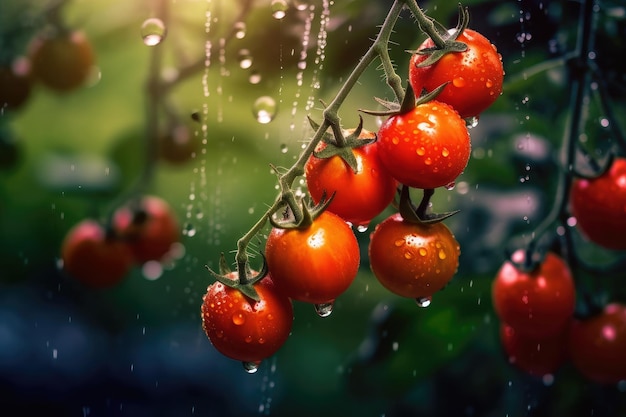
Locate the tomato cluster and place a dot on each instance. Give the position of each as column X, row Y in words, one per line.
column 101, row 255
column 352, row 176
column 539, row 330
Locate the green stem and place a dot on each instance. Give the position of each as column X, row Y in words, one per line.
column 331, row 119
column 426, row 24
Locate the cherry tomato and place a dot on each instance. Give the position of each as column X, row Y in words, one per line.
column 242, row 328
column 315, row 264
column 15, row 88
column 599, row 206
column 537, row 356
column 428, row 147
column 413, row 260
column 93, row 257
column 474, row 76
column 358, row 196
column 536, row 303
column 62, row 62
column 178, row 145
column 150, row 228
column 597, row 345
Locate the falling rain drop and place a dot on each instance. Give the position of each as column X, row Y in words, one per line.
column 251, row 367
column 245, row 59
column 254, row 77
column 279, row 9
column 423, row 301
column 264, row 109
column 153, row 31
column 324, row 309
column 240, row 30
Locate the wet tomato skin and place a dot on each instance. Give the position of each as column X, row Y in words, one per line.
column 358, row 196
column 315, row 264
column 244, row 329
column 474, row 77
column 597, row 345
column 535, row 303
column 94, row 258
column 427, row 147
column 413, row 260
column 599, row 206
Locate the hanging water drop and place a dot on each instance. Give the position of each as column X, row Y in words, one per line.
column 300, row 5
column 423, row 301
column 240, row 30
column 324, row 309
column 362, row 228
column 153, row 31
column 245, row 59
column 284, row 148
column 264, row 109
column 251, row 367
column 254, row 77
column 471, row 122
column 279, row 9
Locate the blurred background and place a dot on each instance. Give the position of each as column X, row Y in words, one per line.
column 138, row 349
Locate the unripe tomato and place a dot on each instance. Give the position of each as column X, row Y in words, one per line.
column 474, row 76
column 93, row 257
column 599, row 206
column 413, row 260
column 597, row 345
column 358, row 196
column 315, row 264
column 150, row 228
column 242, row 328
column 62, row 62
column 535, row 303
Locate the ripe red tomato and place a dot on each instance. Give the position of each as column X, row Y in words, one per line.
column 597, row 345
column 413, row 260
column 474, row 76
column 150, row 228
column 358, row 196
column 315, row 264
column 62, row 62
column 242, row 328
column 536, row 303
column 428, row 147
column 15, row 88
column 93, row 257
column 536, row 356
column 599, row 206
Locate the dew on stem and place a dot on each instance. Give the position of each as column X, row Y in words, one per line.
column 153, row 31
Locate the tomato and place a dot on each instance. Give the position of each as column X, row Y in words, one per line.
column 315, row 264
column 536, row 303
column 62, row 62
column 15, row 88
column 358, row 196
column 597, row 345
column 178, row 145
column 474, row 76
column 428, row 147
column 537, row 356
column 242, row 328
column 93, row 257
column 413, row 260
column 150, row 228
column 599, row 206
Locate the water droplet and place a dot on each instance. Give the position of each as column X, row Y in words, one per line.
column 422, row 251
column 264, row 109
column 362, row 228
column 279, row 9
column 189, row 230
column 471, row 122
column 420, row 151
column 428, row 161
column 251, row 367
column 445, row 152
column 442, row 254
column 245, row 59
column 450, row 186
column 240, row 30
column 395, row 140
column 324, row 309
column 300, row 4
column 152, row 270
column 458, row 82
column 423, row 301
column 254, row 77
column 284, row 148
column 408, row 255
column 153, row 31
column 239, row 318
column 489, row 84
column 399, row 242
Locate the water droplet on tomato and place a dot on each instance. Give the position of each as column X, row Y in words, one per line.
column 324, row 309
column 395, row 140
column 239, row 318
column 422, row 251
column 423, row 301
column 153, row 31
column 458, row 82
column 420, row 151
column 442, row 254
column 489, row 83
column 248, row 339
column 428, row 161
column 251, row 367
column 408, row 255
column 399, row 242
column 445, row 152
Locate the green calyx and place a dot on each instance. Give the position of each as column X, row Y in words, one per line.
column 339, row 145
column 245, row 277
column 450, row 43
column 409, row 102
column 421, row 214
column 303, row 215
